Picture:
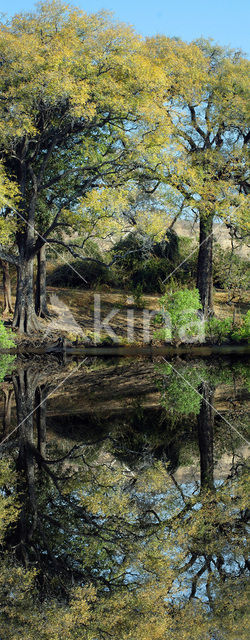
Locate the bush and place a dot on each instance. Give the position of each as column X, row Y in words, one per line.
column 6, row 365
column 74, row 273
column 180, row 310
column 242, row 333
column 188, row 255
column 230, row 271
column 138, row 297
column 145, row 263
column 6, row 337
column 130, row 251
column 82, row 274
column 151, row 274
column 218, row 331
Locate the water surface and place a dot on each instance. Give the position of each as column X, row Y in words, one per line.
column 124, row 498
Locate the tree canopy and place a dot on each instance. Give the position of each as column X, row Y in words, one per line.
column 80, row 107
column 207, row 162
column 94, row 119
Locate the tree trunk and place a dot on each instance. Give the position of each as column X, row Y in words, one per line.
column 25, row 382
column 25, row 319
column 41, row 301
column 205, row 265
column 6, row 288
column 205, row 423
column 40, row 400
column 8, row 397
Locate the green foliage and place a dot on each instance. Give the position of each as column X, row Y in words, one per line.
column 150, row 274
column 151, row 584
column 177, row 302
column 6, row 365
column 179, row 389
column 242, row 332
column 181, row 307
column 9, row 196
column 137, row 268
column 130, row 251
column 145, row 262
column 218, row 331
column 138, row 297
column 9, row 506
column 210, row 94
column 6, row 337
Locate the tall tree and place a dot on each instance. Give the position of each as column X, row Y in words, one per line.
column 8, row 197
column 207, row 102
column 78, row 96
column 7, row 303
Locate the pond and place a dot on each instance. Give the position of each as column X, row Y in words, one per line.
column 124, row 497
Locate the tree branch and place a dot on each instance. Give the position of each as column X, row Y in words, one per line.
column 8, row 257
column 195, row 123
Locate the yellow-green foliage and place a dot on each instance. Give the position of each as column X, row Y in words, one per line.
column 59, row 54
column 207, row 102
column 8, row 197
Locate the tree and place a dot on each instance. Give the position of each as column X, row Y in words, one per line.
column 207, row 102
column 41, row 297
column 8, row 196
column 79, row 95
column 7, row 305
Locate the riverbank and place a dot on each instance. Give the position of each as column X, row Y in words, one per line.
column 71, row 326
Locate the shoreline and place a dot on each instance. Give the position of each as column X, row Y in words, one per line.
column 201, row 350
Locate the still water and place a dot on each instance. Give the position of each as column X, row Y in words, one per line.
column 124, row 498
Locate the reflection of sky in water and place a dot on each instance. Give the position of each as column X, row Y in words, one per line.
column 73, row 537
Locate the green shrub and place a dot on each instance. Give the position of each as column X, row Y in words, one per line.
column 150, row 274
column 176, row 392
column 6, row 365
column 138, row 297
column 144, row 262
column 181, row 307
column 218, row 331
column 6, row 337
column 242, row 332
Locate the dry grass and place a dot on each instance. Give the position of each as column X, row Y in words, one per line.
column 81, row 305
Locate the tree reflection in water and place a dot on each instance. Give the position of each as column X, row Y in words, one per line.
column 100, row 537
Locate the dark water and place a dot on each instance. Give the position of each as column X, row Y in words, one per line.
column 124, row 502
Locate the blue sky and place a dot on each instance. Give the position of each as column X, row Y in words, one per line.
column 226, row 21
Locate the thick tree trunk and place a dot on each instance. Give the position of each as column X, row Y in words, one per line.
column 25, row 319
column 205, row 265
column 41, row 301
column 25, row 382
column 6, row 288
column 205, row 423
